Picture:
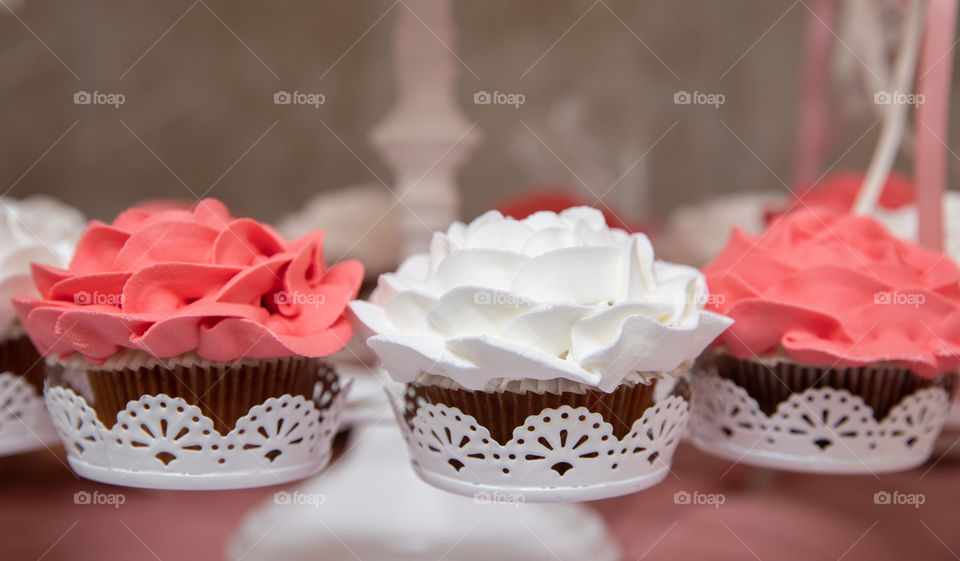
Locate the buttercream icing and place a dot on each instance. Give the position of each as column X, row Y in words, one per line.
column 550, row 296
column 834, row 289
column 169, row 282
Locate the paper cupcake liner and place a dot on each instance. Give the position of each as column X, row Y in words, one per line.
column 770, row 383
column 224, row 392
column 19, row 356
column 501, row 412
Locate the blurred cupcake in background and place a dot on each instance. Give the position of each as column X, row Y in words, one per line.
column 897, row 210
column 191, row 344
column 546, row 355
column 695, row 234
column 559, row 198
column 359, row 221
column 843, row 351
column 42, row 230
column 838, row 191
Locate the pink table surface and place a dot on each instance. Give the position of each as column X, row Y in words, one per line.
column 765, row 515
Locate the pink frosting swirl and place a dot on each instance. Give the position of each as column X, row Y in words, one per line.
column 837, row 289
column 170, row 281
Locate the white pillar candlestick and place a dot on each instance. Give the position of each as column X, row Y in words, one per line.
column 425, row 138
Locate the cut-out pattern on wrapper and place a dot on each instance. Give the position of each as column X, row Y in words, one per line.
column 555, row 456
column 824, row 430
column 164, row 442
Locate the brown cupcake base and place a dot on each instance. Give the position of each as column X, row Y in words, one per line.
column 503, row 411
column 881, row 387
column 223, row 392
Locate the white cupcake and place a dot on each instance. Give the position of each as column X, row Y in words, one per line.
column 515, row 335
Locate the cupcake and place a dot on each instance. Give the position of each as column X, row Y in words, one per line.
column 545, row 356
column 41, row 230
column 843, row 351
column 189, row 348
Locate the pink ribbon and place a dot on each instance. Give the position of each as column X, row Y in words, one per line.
column 811, row 142
column 930, row 150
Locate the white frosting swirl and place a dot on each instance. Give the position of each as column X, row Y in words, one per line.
column 38, row 229
column 551, row 296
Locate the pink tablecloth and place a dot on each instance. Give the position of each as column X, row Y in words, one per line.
column 765, row 515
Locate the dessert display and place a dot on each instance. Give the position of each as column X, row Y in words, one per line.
column 186, row 349
column 547, row 356
column 843, row 352
column 39, row 230
column 786, row 316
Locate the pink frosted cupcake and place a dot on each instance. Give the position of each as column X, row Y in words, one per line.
column 172, row 327
column 843, row 351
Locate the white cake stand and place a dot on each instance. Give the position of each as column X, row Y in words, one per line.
column 370, row 505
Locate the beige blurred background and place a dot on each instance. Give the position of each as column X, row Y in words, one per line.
column 199, row 78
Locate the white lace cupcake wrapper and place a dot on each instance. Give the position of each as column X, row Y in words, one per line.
column 561, row 454
column 822, row 430
column 164, row 442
